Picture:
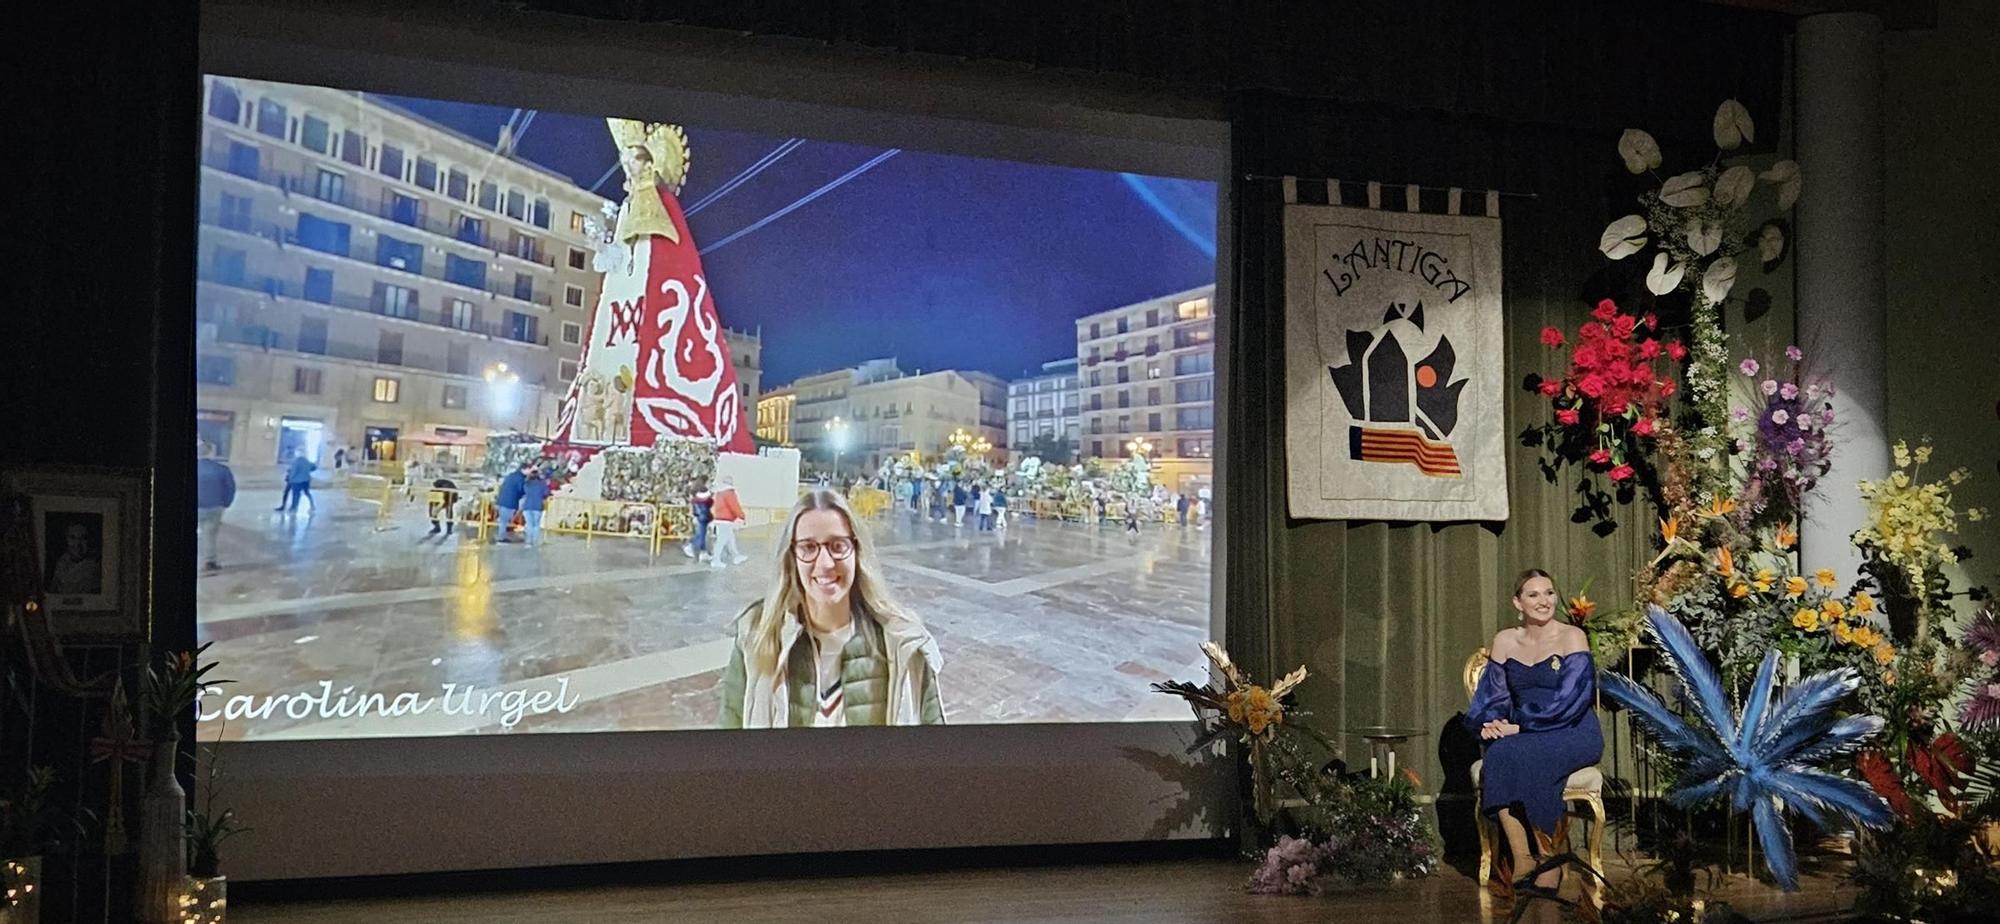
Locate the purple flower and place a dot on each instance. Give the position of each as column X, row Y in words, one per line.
column 1779, row 417
column 1983, row 633
column 1794, row 353
column 1770, row 387
column 1805, row 421
column 1826, row 416
column 1749, row 367
column 1788, row 391
column 1796, row 446
column 1742, row 413
column 1982, row 710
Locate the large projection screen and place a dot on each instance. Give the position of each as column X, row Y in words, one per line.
column 1048, row 736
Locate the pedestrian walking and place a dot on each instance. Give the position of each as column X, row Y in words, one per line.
column 1181, row 505
column 1000, row 509
column 958, row 499
column 298, row 484
column 702, row 503
column 729, row 518
column 982, row 504
column 215, row 490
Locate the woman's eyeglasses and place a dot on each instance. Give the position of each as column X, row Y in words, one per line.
column 841, row 547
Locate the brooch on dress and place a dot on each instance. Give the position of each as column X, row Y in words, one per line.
column 1556, row 662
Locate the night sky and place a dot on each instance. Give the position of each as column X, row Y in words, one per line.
column 941, row 261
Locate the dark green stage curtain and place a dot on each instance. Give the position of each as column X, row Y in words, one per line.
column 1386, row 614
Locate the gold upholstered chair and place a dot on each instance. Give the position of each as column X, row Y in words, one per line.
column 1585, row 786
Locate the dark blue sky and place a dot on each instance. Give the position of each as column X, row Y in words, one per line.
column 941, row 261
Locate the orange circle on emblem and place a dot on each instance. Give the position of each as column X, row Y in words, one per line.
column 1426, row 377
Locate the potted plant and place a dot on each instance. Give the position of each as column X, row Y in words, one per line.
column 30, row 823
column 204, row 895
column 168, row 693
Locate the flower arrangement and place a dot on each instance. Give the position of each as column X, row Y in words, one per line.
column 1359, row 830
column 1610, row 401
column 1907, row 542
column 1981, row 709
column 1698, row 224
column 664, row 473
column 1237, row 709
column 1347, row 828
column 1786, row 448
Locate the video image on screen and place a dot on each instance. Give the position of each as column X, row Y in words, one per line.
column 517, row 421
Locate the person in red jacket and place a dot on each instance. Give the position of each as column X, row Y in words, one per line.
column 729, row 518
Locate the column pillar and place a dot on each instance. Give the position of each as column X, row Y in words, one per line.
column 1842, row 291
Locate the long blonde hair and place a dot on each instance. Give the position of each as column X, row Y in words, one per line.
column 869, row 597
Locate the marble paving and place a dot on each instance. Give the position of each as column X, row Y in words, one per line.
column 334, row 626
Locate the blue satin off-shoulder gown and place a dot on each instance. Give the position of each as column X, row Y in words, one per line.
column 1553, row 700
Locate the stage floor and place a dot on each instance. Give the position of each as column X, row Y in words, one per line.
column 1163, row 892
column 1042, row 622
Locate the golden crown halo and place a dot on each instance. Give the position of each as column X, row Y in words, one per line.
column 667, row 144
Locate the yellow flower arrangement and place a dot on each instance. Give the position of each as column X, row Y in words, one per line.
column 1863, row 637
column 1834, row 609
column 1725, row 563
column 1739, row 590
column 1864, row 603
column 1254, row 708
column 1885, row 655
column 1795, row 586
column 1787, row 537
column 1910, row 522
column 1806, row 619
column 1825, row 577
column 1765, row 578
column 1842, row 633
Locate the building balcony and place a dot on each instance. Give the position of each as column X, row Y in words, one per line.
column 388, row 211
column 274, row 288
column 350, row 168
column 264, row 339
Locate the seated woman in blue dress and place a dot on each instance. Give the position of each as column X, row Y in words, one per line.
column 1534, row 709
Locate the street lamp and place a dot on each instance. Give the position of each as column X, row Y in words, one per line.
column 1140, row 447
column 502, row 390
column 836, row 430
column 960, row 439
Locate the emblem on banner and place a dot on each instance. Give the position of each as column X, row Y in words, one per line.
column 1409, row 409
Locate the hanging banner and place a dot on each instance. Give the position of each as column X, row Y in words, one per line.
column 1393, row 356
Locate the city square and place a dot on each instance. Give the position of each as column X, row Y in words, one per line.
column 1044, row 621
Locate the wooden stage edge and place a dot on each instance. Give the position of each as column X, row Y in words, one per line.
column 1197, row 882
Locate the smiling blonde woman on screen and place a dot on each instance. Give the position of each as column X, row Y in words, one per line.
column 828, row 646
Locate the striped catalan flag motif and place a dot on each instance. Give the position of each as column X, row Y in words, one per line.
column 1436, row 459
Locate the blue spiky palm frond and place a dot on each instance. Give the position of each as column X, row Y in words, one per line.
column 1763, row 759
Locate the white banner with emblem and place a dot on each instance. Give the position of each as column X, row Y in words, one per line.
column 1394, row 362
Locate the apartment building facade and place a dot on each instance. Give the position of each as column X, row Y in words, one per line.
column 369, row 279
column 1148, row 382
column 1045, row 406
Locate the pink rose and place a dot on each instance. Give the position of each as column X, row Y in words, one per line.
column 1788, row 391
column 1568, row 417
column 1605, row 311
column 1794, row 353
column 1749, row 367
column 1621, row 473
column 1770, row 387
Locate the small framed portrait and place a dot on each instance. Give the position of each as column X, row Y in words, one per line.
column 89, row 534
